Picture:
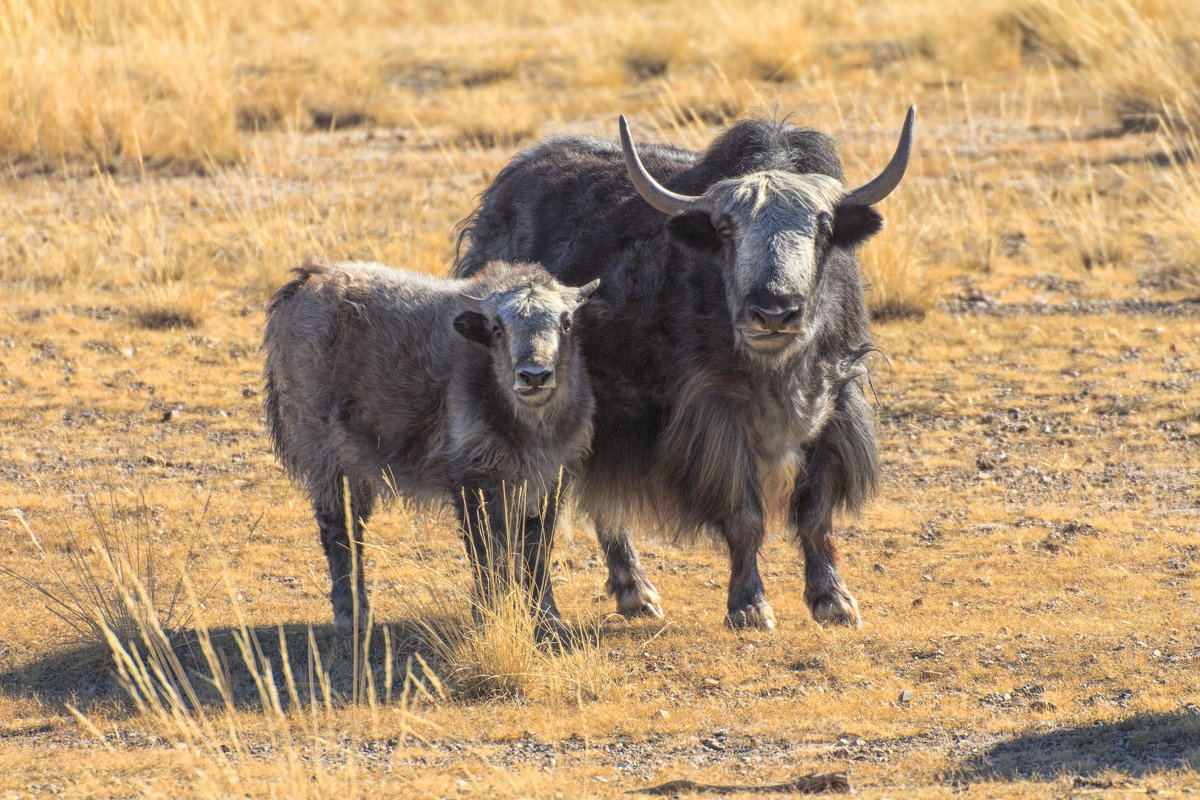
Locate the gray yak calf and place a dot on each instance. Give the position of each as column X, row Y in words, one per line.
column 471, row 391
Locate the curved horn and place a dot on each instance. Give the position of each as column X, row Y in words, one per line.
column 871, row 193
column 651, row 190
column 587, row 290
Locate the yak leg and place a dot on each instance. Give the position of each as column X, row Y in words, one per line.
column 824, row 590
column 627, row 581
column 842, row 470
column 748, row 607
column 346, row 574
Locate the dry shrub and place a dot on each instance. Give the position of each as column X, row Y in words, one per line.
column 108, row 82
column 1178, row 264
column 109, row 584
column 486, row 644
column 1144, row 53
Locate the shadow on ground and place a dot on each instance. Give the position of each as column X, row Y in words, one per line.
column 318, row 660
column 1135, row 746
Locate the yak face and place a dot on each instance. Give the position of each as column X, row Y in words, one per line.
column 529, row 330
column 773, row 232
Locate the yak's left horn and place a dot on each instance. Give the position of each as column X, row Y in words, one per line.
column 871, row 193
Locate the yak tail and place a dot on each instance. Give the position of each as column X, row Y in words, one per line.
column 312, row 265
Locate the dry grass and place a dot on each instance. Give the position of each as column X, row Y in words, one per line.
column 1027, row 572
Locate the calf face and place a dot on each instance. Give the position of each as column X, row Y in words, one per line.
column 527, row 328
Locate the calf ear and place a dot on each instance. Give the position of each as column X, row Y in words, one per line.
column 853, row 225
column 694, row 228
column 474, row 326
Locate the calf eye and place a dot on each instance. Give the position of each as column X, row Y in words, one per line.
column 565, row 322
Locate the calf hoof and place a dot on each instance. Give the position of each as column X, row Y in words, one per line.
column 836, row 607
column 639, row 600
column 756, row 615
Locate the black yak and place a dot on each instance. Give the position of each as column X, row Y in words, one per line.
column 729, row 382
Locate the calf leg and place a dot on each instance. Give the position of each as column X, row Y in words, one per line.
column 346, row 575
column 478, row 521
column 627, row 581
column 537, row 541
column 747, row 606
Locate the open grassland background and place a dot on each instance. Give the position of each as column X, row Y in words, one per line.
column 1028, row 573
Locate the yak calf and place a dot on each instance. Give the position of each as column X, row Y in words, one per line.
column 471, row 391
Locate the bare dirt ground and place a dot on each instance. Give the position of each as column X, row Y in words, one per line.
column 1027, row 575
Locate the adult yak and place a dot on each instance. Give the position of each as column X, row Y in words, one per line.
column 729, row 381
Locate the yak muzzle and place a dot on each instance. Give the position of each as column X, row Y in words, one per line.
column 773, row 317
column 771, row 322
column 534, row 384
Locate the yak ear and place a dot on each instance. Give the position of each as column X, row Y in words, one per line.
column 474, row 326
column 694, row 228
column 853, row 225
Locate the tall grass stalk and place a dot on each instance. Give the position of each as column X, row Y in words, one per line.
column 93, row 595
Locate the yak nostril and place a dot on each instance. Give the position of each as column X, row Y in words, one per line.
column 773, row 318
column 535, row 378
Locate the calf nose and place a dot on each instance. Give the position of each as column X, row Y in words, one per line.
column 773, row 316
column 535, row 378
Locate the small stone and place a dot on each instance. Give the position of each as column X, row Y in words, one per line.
column 880, row 568
column 1042, row 706
column 168, row 416
column 711, row 744
column 662, row 713
column 711, row 683
column 906, row 696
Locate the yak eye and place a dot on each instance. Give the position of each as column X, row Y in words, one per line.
column 565, row 322
column 825, row 223
column 498, row 330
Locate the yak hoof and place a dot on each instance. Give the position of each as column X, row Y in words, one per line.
column 639, row 600
column 838, row 607
column 343, row 624
column 758, row 615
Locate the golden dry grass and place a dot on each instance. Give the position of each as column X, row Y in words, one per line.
column 1028, row 571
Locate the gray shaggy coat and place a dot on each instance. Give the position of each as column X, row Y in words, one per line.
column 467, row 391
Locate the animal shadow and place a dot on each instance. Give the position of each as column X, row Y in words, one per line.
column 1134, row 746
column 306, row 664
column 229, row 665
